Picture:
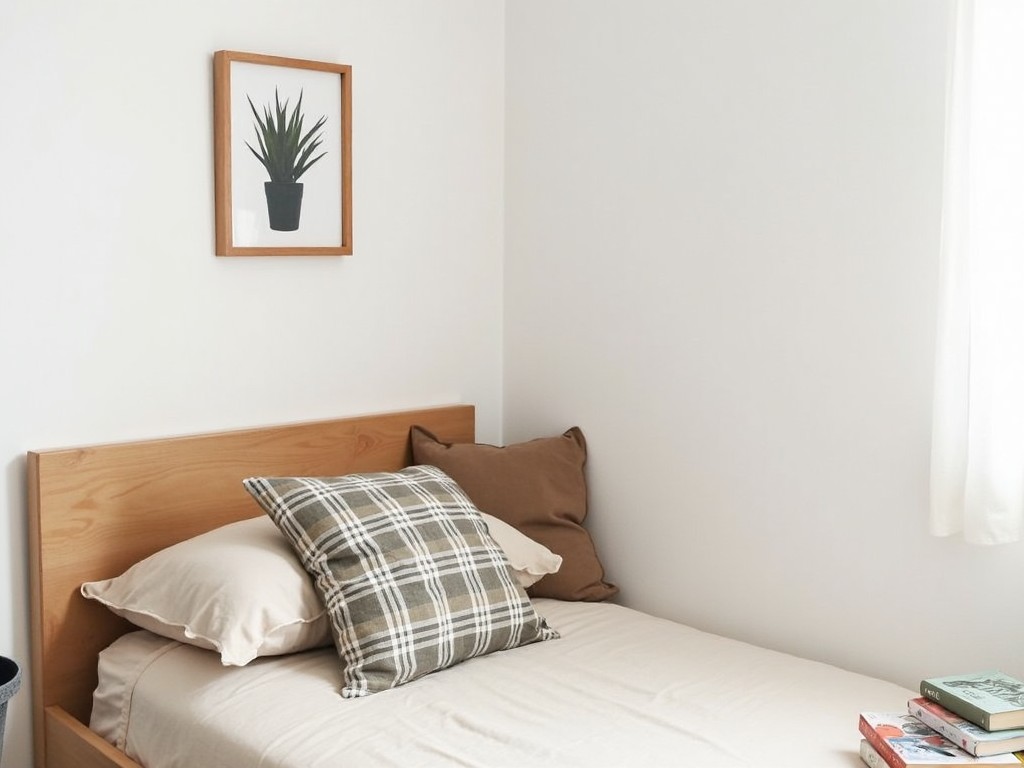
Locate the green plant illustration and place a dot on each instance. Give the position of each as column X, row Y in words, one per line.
column 285, row 151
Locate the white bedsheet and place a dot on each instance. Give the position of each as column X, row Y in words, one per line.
column 620, row 688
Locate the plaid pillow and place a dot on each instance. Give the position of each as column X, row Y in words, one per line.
column 411, row 578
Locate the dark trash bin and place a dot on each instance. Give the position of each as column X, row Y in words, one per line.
column 10, row 682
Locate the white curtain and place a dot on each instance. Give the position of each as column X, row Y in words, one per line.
column 977, row 473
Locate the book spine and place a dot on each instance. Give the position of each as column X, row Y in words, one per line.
column 870, row 757
column 881, row 745
column 966, row 709
column 963, row 740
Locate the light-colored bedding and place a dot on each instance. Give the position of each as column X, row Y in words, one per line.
column 619, row 688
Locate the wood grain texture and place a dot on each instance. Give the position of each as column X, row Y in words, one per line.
column 70, row 744
column 96, row 510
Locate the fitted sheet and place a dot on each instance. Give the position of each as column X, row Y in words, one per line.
column 620, row 688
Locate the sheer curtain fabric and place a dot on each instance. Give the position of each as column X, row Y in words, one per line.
column 977, row 473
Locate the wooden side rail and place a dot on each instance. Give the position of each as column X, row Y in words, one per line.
column 69, row 744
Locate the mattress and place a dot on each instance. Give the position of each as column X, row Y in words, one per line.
column 618, row 688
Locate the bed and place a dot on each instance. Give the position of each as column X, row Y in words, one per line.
column 616, row 688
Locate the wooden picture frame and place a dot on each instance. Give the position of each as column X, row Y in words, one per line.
column 295, row 200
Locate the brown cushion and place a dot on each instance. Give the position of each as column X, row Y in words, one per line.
column 538, row 487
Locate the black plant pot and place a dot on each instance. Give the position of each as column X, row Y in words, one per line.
column 10, row 682
column 284, row 204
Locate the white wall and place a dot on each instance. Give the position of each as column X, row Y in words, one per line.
column 116, row 319
column 721, row 261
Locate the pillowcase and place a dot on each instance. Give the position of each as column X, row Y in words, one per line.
column 238, row 590
column 530, row 560
column 539, row 488
column 412, row 580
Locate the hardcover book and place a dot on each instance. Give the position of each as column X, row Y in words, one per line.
column 964, row 733
column 993, row 700
column 903, row 741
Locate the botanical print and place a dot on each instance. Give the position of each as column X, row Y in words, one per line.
column 286, row 153
column 283, row 156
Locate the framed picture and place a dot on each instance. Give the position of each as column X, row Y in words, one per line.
column 283, row 156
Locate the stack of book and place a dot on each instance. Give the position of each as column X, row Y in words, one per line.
column 975, row 719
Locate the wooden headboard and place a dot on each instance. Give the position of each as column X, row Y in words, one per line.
column 96, row 510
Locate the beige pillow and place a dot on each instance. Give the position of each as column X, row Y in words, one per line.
column 241, row 591
column 238, row 590
column 530, row 560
